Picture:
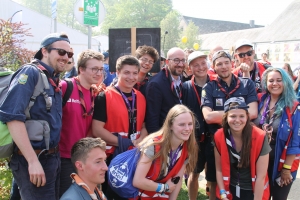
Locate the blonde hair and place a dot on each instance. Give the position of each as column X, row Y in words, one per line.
column 165, row 141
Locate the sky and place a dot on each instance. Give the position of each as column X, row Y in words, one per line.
column 263, row 12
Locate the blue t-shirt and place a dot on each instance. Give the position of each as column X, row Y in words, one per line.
column 214, row 98
column 109, row 77
column 18, row 97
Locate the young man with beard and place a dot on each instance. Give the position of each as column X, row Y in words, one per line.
column 165, row 90
column 119, row 113
column 88, row 158
column 248, row 68
column 78, row 110
column 147, row 56
column 214, row 94
column 35, row 163
column 191, row 97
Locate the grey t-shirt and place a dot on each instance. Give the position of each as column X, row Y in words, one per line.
column 245, row 181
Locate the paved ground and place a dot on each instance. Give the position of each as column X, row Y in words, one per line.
column 294, row 193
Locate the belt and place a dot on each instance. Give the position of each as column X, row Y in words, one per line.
column 42, row 151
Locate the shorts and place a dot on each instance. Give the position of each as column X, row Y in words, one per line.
column 210, row 160
column 201, row 155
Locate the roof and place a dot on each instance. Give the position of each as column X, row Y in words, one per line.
column 286, row 27
column 213, row 26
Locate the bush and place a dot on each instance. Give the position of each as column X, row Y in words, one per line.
column 5, row 179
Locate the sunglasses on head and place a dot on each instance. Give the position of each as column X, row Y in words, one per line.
column 63, row 52
column 248, row 53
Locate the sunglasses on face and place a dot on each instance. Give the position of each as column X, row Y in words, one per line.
column 248, row 53
column 63, row 52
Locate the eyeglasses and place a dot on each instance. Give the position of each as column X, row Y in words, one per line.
column 69, row 62
column 95, row 70
column 177, row 60
column 248, row 53
column 63, row 52
column 145, row 60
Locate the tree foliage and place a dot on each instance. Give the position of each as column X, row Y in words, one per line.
column 171, row 24
column 12, row 37
column 135, row 13
column 191, row 32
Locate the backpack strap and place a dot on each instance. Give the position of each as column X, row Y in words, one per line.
column 39, row 88
column 68, row 91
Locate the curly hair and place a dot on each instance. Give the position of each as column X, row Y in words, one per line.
column 142, row 50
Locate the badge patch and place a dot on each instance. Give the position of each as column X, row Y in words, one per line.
column 203, row 93
column 219, row 102
column 23, row 79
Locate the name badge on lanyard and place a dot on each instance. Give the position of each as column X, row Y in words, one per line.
column 219, row 102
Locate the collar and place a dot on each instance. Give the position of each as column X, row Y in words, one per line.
column 176, row 81
column 49, row 69
column 232, row 82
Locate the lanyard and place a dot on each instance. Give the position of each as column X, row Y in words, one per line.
column 173, row 157
column 82, row 102
column 179, row 95
column 129, row 107
column 232, row 91
column 195, row 89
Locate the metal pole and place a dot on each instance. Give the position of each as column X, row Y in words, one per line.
column 55, row 25
column 89, row 37
column 10, row 20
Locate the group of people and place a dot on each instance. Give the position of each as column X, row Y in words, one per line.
column 239, row 121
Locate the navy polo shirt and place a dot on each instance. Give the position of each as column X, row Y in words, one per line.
column 213, row 97
column 17, row 100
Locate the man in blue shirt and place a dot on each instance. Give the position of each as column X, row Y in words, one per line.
column 35, row 165
column 109, row 75
column 214, row 95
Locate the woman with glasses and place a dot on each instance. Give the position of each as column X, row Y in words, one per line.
column 279, row 117
column 241, row 154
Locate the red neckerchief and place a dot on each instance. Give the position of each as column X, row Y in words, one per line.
column 82, row 98
column 138, row 85
column 92, row 194
column 234, row 89
column 172, row 84
column 55, row 85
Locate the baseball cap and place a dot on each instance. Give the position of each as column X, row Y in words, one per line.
column 239, row 100
column 242, row 42
column 49, row 39
column 194, row 55
column 106, row 55
column 220, row 54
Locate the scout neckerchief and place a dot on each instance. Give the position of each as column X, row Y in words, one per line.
column 177, row 93
column 85, row 113
column 232, row 91
column 92, row 194
column 55, row 85
column 173, row 157
column 267, row 120
column 138, row 85
column 130, row 108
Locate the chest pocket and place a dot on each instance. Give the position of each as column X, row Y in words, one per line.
column 241, row 93
column 219, row 99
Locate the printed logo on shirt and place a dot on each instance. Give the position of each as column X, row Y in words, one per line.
column 219, row 102
column 23, row 79
column 73, row 101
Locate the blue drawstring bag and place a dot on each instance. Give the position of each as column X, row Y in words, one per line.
column 121, row 172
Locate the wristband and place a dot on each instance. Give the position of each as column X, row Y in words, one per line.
column 222, row 191
column 223, row 195
column 285, row 166
column 159, row 186
column 166, row 188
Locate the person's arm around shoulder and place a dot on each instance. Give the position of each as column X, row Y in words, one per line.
column 219, row 174
column 253, row 110
column 261, row 172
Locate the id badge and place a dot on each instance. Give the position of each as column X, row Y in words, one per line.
column 237, row 191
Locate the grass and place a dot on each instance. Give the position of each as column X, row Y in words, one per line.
column 183, row 194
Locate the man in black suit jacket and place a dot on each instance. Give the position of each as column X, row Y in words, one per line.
column 164, row 90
